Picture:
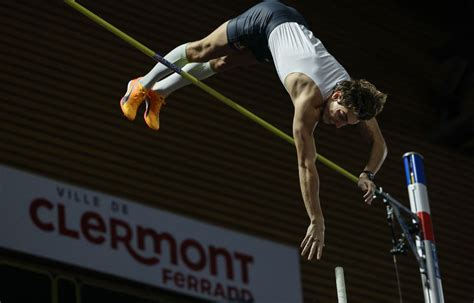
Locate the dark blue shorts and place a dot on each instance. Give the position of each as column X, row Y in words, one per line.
column 252, row 28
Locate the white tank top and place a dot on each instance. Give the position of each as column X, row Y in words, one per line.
column 294, row 48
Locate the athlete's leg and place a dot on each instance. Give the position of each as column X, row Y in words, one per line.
column 201, row 71
column 204, row 70
column 212, row 46
column 177, row 56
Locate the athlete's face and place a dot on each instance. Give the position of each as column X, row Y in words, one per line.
column 337, row 114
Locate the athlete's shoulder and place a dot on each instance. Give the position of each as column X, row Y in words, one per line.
column 301, row 87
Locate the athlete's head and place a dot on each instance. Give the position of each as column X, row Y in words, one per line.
column 352, row 101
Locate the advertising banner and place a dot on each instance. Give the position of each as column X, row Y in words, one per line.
column 100, row 232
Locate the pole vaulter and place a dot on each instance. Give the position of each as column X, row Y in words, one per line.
column 155, row 56
column 394, row 207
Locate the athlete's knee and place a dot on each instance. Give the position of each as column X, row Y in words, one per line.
column 219, row 65
column 199, row 51
column 227, row 62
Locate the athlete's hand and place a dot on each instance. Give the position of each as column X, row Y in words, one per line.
column 368, row 187
column 313, row 242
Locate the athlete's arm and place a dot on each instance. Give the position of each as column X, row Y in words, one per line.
column 371, row 133
column 304, row 122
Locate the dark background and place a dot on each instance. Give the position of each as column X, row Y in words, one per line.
column 63, row 76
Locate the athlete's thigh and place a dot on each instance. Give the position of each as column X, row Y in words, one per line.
column 213, row 46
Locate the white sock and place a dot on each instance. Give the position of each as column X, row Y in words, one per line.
column 177, row 56
column 173, row 82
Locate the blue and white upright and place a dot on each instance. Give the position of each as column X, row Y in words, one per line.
column 425, row 242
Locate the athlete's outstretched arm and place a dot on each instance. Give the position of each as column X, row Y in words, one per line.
column 304, row 122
